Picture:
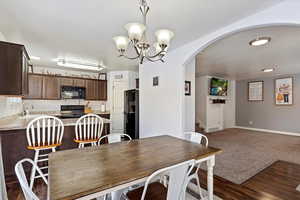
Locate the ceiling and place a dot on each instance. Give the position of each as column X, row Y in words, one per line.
column 234, row 58
column 84, row 28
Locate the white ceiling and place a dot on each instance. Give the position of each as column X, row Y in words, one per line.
column 84, row 28
column 234, row 58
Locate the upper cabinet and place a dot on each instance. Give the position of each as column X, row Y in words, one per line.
column 49, row 87
column 96, row 90
column 13, row 69
column 35, row 85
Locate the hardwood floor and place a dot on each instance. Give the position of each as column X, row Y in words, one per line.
column 277, row 182
column 283, row 179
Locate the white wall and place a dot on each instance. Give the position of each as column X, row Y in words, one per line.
column 162, row 108
column 2, row 37
column 129, row 80
column 201, row 94
column 214, row 116
column 189, row 101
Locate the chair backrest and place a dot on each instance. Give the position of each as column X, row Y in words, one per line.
column 114, row 138
column 28, row 193
column 45, row 131
column 177, row 177
column 196, row 138
column 89, row 127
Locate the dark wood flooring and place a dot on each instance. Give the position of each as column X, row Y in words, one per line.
column 277, row 182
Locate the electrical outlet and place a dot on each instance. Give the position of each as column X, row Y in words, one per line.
column 251, row 122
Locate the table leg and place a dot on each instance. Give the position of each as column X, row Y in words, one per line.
column 210, row 177
column 3, row 193
column 116, row 195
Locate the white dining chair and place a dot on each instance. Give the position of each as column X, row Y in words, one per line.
column 199, row 139
column 175, row 190
column 27, row 190
column 88, row 130
column 44, row 134
column 114, row 138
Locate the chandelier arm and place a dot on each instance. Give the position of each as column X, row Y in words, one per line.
column 131, row 58
column 152, row 60
column 158, row 54
column 136, row 50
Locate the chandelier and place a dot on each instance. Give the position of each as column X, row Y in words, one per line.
column 137, row 39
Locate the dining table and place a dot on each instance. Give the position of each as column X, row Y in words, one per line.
column 93, row 172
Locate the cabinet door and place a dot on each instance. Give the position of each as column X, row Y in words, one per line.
column 91, row 91
column 102, row 90
column 10, row 69
column 25, row 86
column 66, row 82
column 51, row 87
column 35, row 87
column 79, row 82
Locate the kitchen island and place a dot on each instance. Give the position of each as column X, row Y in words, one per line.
column 13, row 144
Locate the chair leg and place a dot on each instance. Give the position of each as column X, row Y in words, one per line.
column 33, row 170
column 199, row 187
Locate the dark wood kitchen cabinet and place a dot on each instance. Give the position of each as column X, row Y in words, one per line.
column 51, row 87
column 13, row 69
column 48, row 87
column 91, row 90
column 96, row 90
column 102, row 95
column 35, row 85
column 66, row 81
column 79, row 82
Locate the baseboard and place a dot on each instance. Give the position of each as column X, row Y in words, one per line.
column 268, row 131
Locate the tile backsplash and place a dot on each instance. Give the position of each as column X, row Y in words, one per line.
column 54, row 105
column 10, row 106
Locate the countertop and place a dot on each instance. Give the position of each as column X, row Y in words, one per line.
column 20, row 122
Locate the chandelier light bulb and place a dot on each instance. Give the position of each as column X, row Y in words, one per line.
column 135, row 31
column 159, row 49
column 121, row 42
column 164, row 36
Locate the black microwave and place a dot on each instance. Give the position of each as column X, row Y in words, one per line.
column 70, row 92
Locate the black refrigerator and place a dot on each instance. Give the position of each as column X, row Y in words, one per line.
column 131, row 112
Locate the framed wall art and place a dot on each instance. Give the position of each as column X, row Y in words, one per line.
column 284, row 91
column 256, row 91
column 187, row 88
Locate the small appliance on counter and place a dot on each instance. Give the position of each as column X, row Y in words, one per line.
column 87, row 109
column 103, row 108
column 71, row 111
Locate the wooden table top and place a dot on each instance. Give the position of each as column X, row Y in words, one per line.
column 80, row 172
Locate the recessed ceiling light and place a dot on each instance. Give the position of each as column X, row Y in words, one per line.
column 268, row 70
column 260, row 41
column 35, row 58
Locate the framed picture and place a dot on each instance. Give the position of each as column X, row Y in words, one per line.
column 187, row 88
column 256, row 91
column 284, row 91
column 102, row 76
column 155, row 81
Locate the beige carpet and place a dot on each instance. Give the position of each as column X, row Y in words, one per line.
column 245, row 153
